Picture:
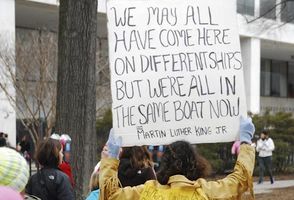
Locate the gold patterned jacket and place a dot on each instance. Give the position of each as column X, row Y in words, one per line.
column 178, row 186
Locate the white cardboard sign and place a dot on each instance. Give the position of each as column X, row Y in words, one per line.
column 102, row 6
column 176, row 71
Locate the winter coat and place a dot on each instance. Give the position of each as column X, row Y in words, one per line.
column 236, row 148
column 265, row 147
column 178, row 186
column 50, row 184
column 66, row 168
column 130, row 176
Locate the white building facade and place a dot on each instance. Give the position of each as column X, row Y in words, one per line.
column 266, row 29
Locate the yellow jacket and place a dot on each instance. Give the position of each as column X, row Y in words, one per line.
column 179, row 187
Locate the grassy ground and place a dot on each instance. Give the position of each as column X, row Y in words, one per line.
column 276, row 194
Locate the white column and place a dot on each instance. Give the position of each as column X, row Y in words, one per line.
column 279, row 10
column 7, row 50
column 256, row 8
column 250, row 49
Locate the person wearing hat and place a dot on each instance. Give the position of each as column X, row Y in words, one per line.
column 65, row 166
column 14, row 170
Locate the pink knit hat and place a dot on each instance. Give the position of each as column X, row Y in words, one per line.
column 9, row 194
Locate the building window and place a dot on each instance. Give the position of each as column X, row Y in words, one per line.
column 265, row 78
column 268, row 9
column 287, row 12
column 245, row 7
column 291, row 80
column 277, row 78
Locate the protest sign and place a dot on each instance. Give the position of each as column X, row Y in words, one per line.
column 102, row 6
column 176, row 71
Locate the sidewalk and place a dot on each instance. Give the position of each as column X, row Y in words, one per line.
column 266, row 187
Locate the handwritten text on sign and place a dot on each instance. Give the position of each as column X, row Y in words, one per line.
column 176, row 71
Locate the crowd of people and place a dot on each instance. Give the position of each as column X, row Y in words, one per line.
column 128, row 172
column 53, row 179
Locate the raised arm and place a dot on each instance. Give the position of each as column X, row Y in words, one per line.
column 235, row 184
column 109, row 184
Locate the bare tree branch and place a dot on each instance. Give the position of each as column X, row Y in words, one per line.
column 283, row 3
column 32, row 73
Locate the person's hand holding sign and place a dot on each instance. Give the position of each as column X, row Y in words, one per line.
column 247, row 130
column 112, row 147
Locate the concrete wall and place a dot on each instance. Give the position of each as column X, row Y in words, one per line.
column 266, row 29
column 274, row 104
column 7, row 50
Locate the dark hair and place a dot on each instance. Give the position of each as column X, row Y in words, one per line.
column 180, row 158
column 265, row 132
column 3, row 142
column 138, row 156
column 47, row 153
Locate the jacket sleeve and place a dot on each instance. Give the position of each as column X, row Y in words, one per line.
column 109, row 183
column 66, row 168
column 258, row 146
column 237, row 182
column 270, row 146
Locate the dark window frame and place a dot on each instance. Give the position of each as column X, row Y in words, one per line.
column 286, row 12
column 271, row 78
column 246, row 9
column 268, row 11
column 288, row 78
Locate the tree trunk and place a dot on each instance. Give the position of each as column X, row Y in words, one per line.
column 76, row 98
